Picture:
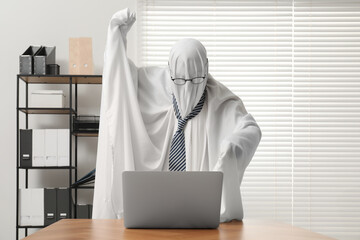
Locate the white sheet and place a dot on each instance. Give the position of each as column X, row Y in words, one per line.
column 137, row 122
column 187, row 60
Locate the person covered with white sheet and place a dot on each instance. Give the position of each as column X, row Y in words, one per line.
column 173, row 118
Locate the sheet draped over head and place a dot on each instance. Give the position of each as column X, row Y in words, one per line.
column 188, row 60
column 137, row 122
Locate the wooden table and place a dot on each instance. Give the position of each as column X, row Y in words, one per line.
column 113, row 229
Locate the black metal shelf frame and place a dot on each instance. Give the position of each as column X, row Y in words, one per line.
column 84, row 187
column 64, row 79
column 50, row 167
column 30, row 226
column 47, row 110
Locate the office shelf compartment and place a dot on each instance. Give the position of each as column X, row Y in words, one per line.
column 72, row 81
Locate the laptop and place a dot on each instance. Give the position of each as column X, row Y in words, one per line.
column 172, row 199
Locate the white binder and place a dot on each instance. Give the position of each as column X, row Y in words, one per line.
column 24, row 206
column 37, row 206
column 38, row 147
column 63, row 147
column 51, row 147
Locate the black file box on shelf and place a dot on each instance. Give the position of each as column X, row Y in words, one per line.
column 49, row 206
column 26, row 60
column 44, row 56
column 62, row 202
column 25, row 147
column 90, row 210
column 82, row 211
column 63, row 209
column 53, row 69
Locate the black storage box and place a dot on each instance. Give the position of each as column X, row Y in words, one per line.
column 53, row 69
column 86, row 124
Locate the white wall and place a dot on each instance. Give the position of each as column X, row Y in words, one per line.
column 49, row 23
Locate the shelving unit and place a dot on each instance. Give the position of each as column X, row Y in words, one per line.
column 70, row 111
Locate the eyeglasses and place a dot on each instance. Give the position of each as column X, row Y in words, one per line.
column 182, row 81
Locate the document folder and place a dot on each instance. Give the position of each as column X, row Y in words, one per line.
column 62, row 201
column 38, row 141
column 51, row 147
column 63, row 147
column 49, row 206
column 37, row 206
column 24, row 207
column 25, row 147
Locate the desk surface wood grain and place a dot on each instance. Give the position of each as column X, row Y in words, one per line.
column 113, row 229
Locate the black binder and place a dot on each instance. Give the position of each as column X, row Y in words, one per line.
column 25, row 147
column 90, row 210
column 82, row 211
column 49, row 206
column 62, row 200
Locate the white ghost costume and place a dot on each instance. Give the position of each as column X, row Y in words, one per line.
column 137, row 122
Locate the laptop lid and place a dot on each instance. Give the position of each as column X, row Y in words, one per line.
column 172, row 199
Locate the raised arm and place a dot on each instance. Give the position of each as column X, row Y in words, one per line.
column 119, row 85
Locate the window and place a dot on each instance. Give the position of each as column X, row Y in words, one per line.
column 296, row 66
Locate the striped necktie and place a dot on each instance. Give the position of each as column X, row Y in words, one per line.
column 177, row 157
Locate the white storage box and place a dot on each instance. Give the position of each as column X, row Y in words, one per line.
column 47, row 99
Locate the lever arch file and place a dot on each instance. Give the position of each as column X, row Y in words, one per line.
column 49, row 206
column 25, row 147
column 31, row 206
column 51, row 147
column 24, row 206
column 38, row 148
column 63, row 147
column 62, row 200
column 37, row 206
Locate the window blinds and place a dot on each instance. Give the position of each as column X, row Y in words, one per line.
column 326, row 123
column 295, row 64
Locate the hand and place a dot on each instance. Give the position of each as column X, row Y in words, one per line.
column 124, row 19
column 227, row 150
column 129, row 19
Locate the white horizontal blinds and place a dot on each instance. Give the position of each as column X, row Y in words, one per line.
column 295, row 64
column 249, row 45
column 327, row 117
